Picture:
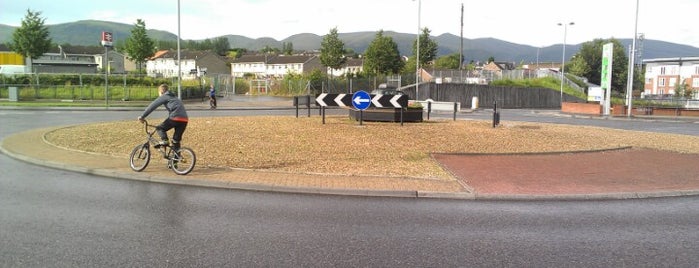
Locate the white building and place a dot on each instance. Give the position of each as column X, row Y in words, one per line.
column 351, row 67
column 194, row 64
column 266, row 66
column 664, row 75
column 282, row 65
column 164, row 64
column 255, row 65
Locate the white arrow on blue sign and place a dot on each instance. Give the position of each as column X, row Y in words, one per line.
column 361, row 100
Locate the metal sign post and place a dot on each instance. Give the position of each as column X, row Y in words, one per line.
column 106, row 42
column 361, row 100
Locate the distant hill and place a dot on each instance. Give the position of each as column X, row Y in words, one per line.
column 479, row 49
column 88, row 33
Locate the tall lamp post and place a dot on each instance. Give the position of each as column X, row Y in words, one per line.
column 629, row 81
column 563, row 58
column 417, row 54
column 179, row 61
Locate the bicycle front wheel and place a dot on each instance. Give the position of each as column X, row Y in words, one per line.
column 183, row 161
column 140, row 157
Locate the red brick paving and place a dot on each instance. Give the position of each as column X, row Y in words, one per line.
column 616, row 171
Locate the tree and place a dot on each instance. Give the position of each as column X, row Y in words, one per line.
column 287, row 48
column 428, row 48
column 31, row 39
column 578, row 66
column 382, row 56
column 269, row 50
column 448, row 62
column 332, row 51
column 591, row 54
column 139, row 46
column 220, row 46
column 683, row 90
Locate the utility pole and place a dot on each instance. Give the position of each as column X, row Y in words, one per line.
column 629, row 81
column 461, row 49
column 179, row 60
column 417, row 54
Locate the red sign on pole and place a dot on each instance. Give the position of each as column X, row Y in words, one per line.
column 107, row 39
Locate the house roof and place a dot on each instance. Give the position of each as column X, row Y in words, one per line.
column 353, row 62
column 158, row 54
column 184, row 54
column 253, row 58
column 502, row 65
column 670, row 60
column 290, row 59
column 274, row 59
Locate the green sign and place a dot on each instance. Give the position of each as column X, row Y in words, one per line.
column 607, row 66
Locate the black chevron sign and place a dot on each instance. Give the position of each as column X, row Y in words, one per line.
column 327, row 99
column 389, row 101
column 378, row 101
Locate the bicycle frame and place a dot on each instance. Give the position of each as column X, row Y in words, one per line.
column 164, row 150
column 181, row 161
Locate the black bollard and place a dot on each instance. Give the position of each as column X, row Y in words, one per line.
column 496, row 114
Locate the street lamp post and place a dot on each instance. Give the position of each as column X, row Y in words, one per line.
column 629, row 81
column 417, row 54
column 563, row 58
column 179, row 61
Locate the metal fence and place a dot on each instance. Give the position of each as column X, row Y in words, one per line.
column 457, row 86
column 486, row 96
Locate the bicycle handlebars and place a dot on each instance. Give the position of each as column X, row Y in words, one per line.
column 146, row 125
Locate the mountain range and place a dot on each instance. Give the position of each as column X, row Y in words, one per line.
column 88, row 33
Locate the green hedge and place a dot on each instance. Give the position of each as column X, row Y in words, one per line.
column 134, row 93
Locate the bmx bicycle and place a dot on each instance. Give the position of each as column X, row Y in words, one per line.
column 181, row 161
column 212, row 103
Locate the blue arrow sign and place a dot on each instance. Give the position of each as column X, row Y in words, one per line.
column 361, row 100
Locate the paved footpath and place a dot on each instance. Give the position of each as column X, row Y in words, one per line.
column 616, row 174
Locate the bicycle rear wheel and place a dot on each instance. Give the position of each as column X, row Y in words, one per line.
column 140, row 157
column 183, row 161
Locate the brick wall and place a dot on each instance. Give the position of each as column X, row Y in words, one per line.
column 581, row 108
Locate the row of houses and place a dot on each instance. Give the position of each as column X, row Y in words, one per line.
column 191, row 64
column 662, row 76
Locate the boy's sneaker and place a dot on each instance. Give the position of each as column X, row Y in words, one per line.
column 161, row 144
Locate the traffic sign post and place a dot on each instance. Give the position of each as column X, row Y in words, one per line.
column 361, row 100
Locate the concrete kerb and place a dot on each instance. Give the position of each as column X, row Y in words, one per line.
column 202, row 182
column 634, row 117
column 194, row 181
column 587, row 197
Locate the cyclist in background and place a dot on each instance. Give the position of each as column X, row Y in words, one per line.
column 177, row 117
column 212, row 97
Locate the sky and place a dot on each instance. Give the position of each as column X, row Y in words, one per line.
column 528, row 22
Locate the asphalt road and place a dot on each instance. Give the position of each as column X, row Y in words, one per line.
column 54, row 218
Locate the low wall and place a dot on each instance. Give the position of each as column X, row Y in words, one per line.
column 581, row 108
column 506, row 97
column 620, row 110
column 664, row 111
column 440, row 105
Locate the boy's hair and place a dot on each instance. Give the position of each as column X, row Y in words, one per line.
column 164, row 87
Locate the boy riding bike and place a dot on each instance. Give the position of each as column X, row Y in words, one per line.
column 212, row 97
column 177, row 117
